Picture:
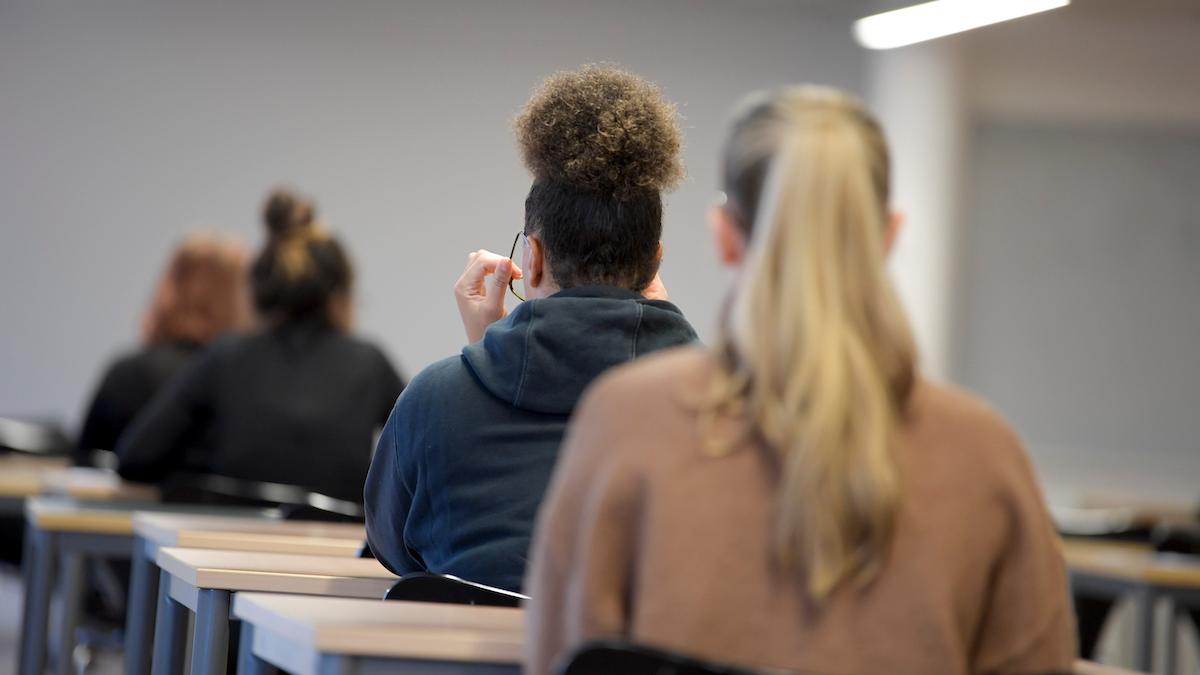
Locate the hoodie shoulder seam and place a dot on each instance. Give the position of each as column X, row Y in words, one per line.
column 637, row 331
column 525, row 355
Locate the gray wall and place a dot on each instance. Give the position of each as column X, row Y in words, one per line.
column 123, row 124
column 1080, row 312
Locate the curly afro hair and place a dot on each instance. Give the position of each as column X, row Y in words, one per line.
column 602, row 130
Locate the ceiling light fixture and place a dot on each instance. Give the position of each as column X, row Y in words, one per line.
column 930, row 20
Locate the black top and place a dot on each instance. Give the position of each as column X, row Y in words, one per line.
column 468, row 451
column 297, row 405
column 127, row 386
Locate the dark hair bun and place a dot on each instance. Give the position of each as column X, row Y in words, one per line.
column 603, row 130
column 294, row 278
column 285, row 211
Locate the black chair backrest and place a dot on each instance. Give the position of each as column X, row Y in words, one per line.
column 1177, row 538
column 602, row 658
column 612, row 656
column 444, row 588
column 293, row 502
column 33, row 438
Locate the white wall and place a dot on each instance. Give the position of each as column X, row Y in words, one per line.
column 1048, row 167
column 917, row 94
column 1081, row 302
column 123, row 124
column 1078, row 310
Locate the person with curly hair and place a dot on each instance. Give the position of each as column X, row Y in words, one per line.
column 798, row 497
column 467, row 453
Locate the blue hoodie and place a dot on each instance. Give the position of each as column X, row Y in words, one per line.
column 467, row 453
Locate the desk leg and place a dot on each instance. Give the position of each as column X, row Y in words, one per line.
column 248, row 663
column 246, row 660
column 210, row 646
column 170, row 632
column 335, row 664
column 71, row 588
column 139, row 618
column 1143, row 630
column 1169, row 637
column 40, row 552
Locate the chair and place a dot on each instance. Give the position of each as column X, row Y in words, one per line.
column 293, row 502
column 1180, row 539
column 33, row 438
column 603, row 658
column 365, row 551
column 1176, row 538
column 1091, row 613
column 1099, row 524
column 444, row 588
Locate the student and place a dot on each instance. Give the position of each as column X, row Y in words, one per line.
column 798, row 497
column 201, row 295
column 468, row 450
column 295, row 402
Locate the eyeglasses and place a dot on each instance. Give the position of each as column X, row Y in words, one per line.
column 512, row 256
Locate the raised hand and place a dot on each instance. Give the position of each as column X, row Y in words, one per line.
column 480, row 301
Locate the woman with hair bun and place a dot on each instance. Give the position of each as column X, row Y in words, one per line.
column 798, row 497
column 466, row 455
column 296, row 401
column 200, row 295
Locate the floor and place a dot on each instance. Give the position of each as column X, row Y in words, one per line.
column 102, row 662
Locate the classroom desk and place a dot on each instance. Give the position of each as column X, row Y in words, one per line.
column 22, row 476
column 1094, row 516
column 203, row 581
column 1124, row 570
column 60, row 534
column 91, row 484
column 153, row 531
column 336, row 636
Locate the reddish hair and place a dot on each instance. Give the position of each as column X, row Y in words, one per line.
column 201, row 294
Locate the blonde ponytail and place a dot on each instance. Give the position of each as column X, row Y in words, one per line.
column 820, row 361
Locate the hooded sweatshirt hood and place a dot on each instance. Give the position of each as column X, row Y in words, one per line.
column 470, row 447
column 547, row 351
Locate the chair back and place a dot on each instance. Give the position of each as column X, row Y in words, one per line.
column 445, row 588
column 365, row 551
column 612, row 656
column 602, row 658
column 33, row 438
column 1176, row 538
column 293, row 502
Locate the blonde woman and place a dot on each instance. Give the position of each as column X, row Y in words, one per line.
column 798, row 497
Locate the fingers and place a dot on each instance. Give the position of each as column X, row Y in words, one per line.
column 500, row 278
column 481, row 264
column 502, row 274
column 479, row 305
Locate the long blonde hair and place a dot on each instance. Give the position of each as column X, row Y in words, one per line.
column 818, row 358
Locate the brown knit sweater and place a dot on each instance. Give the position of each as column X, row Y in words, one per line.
column 643, row 537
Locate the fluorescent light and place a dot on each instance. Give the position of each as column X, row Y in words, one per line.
column 941, row 17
